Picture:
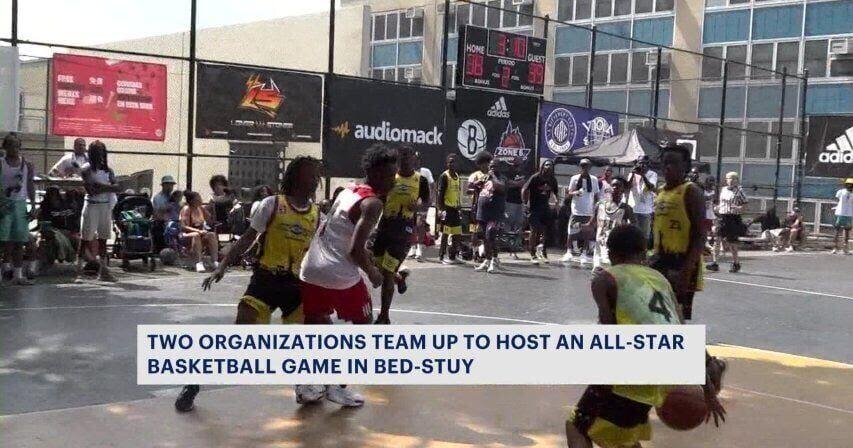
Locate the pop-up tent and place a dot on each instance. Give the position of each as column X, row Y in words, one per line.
column 624, row 149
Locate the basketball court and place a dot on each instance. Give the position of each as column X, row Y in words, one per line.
column 68, row 364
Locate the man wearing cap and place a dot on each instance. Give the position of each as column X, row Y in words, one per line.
column 641, row 196
column 161, row 210
column 583, row 191
column 844, row 215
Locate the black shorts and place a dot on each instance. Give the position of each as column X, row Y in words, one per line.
column 626, row 418
column 452, row 222
column 488, row 229
column 392, row 243
column 731, row 228
column 540, row 218
column 669, row 265
column 268, row 290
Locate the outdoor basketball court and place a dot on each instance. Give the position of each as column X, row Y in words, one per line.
column 68, row 364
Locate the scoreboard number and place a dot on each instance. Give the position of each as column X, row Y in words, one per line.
column 494, row 59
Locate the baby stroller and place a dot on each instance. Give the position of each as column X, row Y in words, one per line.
column 132, row 223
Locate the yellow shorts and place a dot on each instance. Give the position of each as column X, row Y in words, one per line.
column 610, row 420
column 265, row 313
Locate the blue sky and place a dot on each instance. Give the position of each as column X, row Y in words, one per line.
column 87, row 22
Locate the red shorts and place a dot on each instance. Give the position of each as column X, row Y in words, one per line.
column 352, row 304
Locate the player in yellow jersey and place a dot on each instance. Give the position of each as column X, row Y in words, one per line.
column 679, row 235
column 447, row 205
column 629, row 293
column 284, row 224
column 396, row 230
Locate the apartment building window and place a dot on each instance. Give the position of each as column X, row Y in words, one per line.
column 712, row 68
column 498, row 14
column 647, row 6
column 763, row 146
column 780, row 22
column 569, row 10
column 397, row 46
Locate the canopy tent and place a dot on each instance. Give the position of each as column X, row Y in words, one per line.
column 624, row 149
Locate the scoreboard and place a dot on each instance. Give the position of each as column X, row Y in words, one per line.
column 499, row 60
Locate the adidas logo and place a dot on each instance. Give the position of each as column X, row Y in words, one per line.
column 841, row 151
column 499, row 109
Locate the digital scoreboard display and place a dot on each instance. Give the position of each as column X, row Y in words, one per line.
column 499, row 60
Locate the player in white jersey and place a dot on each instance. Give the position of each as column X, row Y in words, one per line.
column 332, row 267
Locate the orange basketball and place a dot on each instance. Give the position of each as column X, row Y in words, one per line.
column 684, row 408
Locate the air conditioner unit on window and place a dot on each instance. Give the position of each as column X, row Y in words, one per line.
column 652, row 58
column 521, row 2
column 414, row 13
column 841, row 47
column 413, row 74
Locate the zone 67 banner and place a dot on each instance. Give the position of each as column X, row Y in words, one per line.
column 109, row 98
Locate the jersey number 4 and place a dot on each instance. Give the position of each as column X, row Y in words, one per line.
column 656, row 305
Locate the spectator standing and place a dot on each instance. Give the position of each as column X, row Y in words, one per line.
column 16, row 181
column 72, row 163
column 731, row 227
column 448, row 212
column 259, row 193
column 222, row 203
column 491, row 206
column 514, row 209
column 101, row 188
column 421, row 226
column 583, row 189
column 161, row 202
column 610, row 213
column 641, row 197
column 195, row 228
column 536, row 194
column 476, row 181
column 605, row 183
column 844, row 215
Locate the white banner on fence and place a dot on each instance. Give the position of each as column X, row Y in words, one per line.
column 420, row 354
column 9, row 89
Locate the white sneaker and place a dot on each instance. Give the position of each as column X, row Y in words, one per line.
column 775, row 249
column 452, row 261
column 534, row 260
column 834, row 251
column 483, row 266
column 540, row 251
column 199, row 267
column 493, row 266
column 584, row 260
column 411, row 253
column 309, row 393
column 567, row 258
column 789, row 249
column 419, row 254
column 344, row 396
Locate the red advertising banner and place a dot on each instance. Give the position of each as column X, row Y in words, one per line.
column 109, row 98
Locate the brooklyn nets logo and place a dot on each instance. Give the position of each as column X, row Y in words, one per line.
column 560, row 131
column 471, row 138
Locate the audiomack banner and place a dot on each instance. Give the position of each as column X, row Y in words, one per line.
column 241, row 103
column 108, row 98
column 363, row 112
column 565, row 128
column 830, row 146
column 502, row 124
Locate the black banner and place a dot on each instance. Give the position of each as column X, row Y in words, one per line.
column 240, row 103
column 364, row 112
column 830, row 146
column 502, row 124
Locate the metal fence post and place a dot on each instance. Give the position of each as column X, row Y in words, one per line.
column 191, row 93
column 721, row 130
column 14, row 23
column 547, row 26
column 591, row 65
column 444, row 43
column 799, row 170
column 779, row 137
column 654, row 104
column 327, row 193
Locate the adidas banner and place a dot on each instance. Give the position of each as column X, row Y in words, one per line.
column 241, row 103
column 363, row 112
column 830, row 146
column 564, row 128
column 502, row 124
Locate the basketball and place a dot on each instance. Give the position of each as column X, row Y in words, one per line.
column 168, row 256
column 684, row 408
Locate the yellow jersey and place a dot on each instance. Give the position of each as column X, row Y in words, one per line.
column 644, row 297
column 672, row 223
column 401, row 200
column 452, row 189
column 288, row 236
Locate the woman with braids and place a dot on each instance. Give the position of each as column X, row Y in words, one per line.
column 285, row 225
column 97, row 222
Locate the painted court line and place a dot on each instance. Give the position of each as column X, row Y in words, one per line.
column 780, row 288
column 794, row 400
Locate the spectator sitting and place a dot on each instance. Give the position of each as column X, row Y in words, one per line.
column 59, row 226
column 789, row 235
column 196, row 230
column 222, row 204
column 260, row 192
column 71, row 164
column 161, row 202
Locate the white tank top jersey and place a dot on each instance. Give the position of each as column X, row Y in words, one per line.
column 13, row 179
column 327, row 263
column 100, row 177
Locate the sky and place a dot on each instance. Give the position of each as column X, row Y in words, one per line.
column 88, row 22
